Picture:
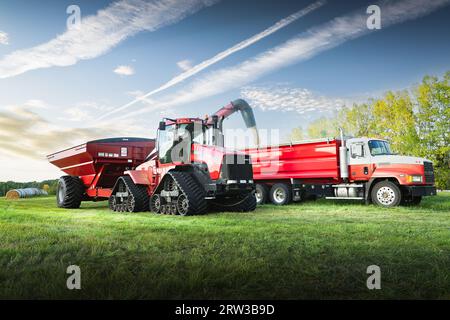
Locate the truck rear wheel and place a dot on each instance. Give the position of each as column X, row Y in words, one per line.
column 280, row 194
column 386, row 194
column 261, row 193
column 69, row 192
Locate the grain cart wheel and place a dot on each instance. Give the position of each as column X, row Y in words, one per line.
column 261, row 193
column 69, row 192
column 129, row 197
column 280, row 194
column 386, row 194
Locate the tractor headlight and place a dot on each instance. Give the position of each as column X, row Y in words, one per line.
column 414, row 179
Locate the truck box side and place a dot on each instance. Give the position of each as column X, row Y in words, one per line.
column 304, row 160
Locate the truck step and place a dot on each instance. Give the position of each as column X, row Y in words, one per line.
column 345, row 198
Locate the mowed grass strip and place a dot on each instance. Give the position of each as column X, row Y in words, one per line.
column 309, row 250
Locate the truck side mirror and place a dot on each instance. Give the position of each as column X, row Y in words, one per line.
column 162, row 125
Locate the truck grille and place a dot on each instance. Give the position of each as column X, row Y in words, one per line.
column 429, row 173
column 237, row 167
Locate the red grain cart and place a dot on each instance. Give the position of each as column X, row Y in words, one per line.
column 94, row 167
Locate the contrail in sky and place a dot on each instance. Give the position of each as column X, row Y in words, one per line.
column 222, row 55
column 300, row 48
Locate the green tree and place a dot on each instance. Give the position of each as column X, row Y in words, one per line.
column 433, row 123
column 296, row 134
column 322, row 128
column 393, row 119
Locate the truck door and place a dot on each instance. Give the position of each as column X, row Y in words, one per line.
column 360, row 162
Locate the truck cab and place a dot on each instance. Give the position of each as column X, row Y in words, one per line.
column 390, row 178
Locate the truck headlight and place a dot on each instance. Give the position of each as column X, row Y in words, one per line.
column 414, row 179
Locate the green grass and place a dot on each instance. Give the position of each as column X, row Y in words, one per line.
column 310, row 250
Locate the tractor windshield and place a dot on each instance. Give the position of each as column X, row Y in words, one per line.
column 379, row 147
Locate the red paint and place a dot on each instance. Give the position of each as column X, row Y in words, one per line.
column 314, row 160
column 99, row 163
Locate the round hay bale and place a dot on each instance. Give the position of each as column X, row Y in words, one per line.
column 12, row 195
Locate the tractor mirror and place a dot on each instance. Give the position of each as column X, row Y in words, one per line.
column 162, row 126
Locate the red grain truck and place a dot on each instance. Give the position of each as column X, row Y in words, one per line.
column 357, row 168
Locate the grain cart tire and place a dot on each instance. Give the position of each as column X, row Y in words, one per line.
column 280, row 194
column 69, row 192
column 386, row 194
column 128, row 196
column 261, row 193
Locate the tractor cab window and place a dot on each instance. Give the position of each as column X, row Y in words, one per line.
column 379, row 147
column 166, row 139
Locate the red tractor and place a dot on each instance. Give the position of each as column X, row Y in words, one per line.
column 186, row 171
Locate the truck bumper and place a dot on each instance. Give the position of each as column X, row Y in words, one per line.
column 417, row 191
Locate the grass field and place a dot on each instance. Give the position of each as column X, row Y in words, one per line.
column 310, row 250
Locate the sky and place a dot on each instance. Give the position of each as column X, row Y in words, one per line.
column 125, row 64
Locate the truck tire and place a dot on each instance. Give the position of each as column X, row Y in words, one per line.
column 386, row 194
column 280, row 194
column 69, row 192
column 261, row 193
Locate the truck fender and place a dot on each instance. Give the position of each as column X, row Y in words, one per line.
column 138, row 176
column 371, row 182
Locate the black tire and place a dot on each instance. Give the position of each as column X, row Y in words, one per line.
column 69, row 192
column 386, row 194
column 280, row 194
column 261, row 193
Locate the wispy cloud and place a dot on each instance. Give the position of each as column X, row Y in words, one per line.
column 124, row 70
column 222, row 55
column 99, row 33
column 184, row 64
column 300, row 48
column 286, row 98
column 4, row 39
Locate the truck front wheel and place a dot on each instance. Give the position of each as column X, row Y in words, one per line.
column 386, row 194
column 280, row 194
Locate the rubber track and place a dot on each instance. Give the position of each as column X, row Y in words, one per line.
column 74, row 192
column 139, row 193
column 244, row 205
column 191, row 189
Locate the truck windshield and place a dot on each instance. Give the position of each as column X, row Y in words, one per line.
column 379, row 147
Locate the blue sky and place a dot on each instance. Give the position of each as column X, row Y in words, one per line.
column 47, row 108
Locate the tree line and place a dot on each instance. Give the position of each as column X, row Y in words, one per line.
column 10, row 185
column 416, row 122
